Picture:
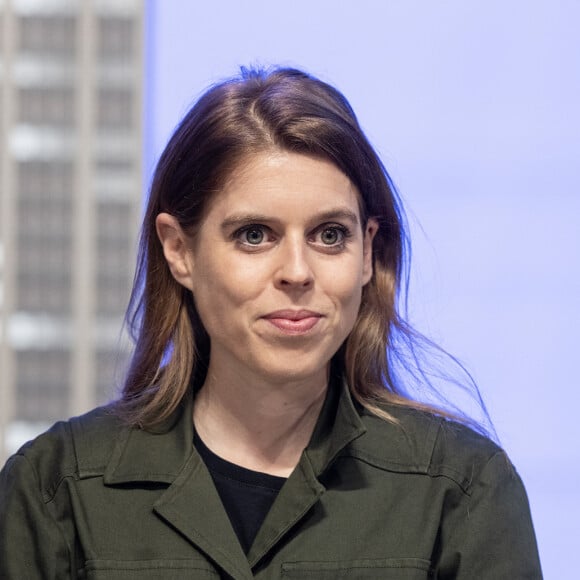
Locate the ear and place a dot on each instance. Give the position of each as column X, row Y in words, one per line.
column 175, row 248
column 371, row 229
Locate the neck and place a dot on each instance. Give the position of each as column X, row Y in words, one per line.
column 258, row 424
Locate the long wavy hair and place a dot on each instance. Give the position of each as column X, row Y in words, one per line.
column 258, row 111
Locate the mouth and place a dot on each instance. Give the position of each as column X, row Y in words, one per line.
column 293, row 321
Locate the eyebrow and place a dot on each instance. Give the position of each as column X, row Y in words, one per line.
column 239, row 220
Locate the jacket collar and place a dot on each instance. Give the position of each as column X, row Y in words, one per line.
column 338, row 425
column 153, row 455
column 159, row 456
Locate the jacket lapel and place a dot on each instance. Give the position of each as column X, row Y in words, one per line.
column 338, row 425
column 152, row 455
column 193, row 507
column 191, row 504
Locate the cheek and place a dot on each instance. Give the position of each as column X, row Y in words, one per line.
column 220, row 285
column 353, row 304
column 346, row 290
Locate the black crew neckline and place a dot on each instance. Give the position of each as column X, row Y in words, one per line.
column 225, row 468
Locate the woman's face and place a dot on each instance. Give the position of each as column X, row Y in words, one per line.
column 277, row 268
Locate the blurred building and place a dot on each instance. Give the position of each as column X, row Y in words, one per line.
column 70, row 200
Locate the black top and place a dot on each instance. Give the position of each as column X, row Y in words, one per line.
column 247, row 495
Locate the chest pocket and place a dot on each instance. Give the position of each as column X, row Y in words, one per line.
column 149, row 570
column 387, row 569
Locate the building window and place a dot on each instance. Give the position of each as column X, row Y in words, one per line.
column 39, row 180
column 44, row 237
column 114, row 258
column 47, row 106
column 116, row 38
column 44, row 273
column 48, row 35
column 42, row 388
column 115, row 109
column 114, row 166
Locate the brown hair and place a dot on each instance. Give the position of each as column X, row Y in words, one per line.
column 257, row 111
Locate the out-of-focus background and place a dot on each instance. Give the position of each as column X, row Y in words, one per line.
column 71, row 174
column 473, row 107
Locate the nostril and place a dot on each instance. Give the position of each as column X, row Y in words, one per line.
column 290, row 283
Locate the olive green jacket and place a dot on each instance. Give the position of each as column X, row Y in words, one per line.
column 427, row 498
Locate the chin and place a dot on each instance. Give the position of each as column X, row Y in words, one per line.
column 290, row 373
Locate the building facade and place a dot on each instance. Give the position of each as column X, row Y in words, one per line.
column 71, row 91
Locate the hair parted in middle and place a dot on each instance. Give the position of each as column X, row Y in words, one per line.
column 258, row 112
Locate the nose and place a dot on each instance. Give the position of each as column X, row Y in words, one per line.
column 293, row 268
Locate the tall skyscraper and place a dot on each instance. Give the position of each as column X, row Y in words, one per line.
column 71, row 78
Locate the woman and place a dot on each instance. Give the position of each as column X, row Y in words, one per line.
column 262, row 430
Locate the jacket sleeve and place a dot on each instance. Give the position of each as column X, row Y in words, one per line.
column 32, row 546
column 489, row 534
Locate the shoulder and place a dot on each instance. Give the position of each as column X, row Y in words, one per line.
column 423, row 443
column 69, row 447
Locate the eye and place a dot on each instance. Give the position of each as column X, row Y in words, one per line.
column 253, row 235
column 332, row 236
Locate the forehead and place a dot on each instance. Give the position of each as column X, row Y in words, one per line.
column 284, row 182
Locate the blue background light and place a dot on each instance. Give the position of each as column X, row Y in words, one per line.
column 473, row 107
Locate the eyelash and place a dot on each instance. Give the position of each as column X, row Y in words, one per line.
column 343, row 231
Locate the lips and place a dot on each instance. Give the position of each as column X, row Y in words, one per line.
column 293, row 321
